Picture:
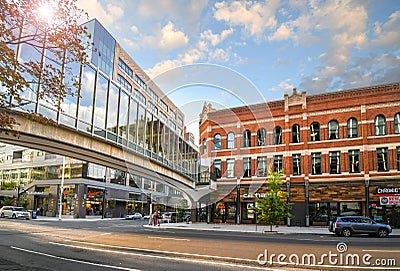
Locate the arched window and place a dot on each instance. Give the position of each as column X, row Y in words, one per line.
column 277, row 135
column 217, row 142
column 333, row 129
column 352, row 128
column 247, row 138
column 296, row 133
column 261, row 137
column 203, row 147
column 230, row 140
column 314, row 132
column 380, row 125
column 397, row 123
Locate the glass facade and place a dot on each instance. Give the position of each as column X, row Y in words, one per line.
column 104, row 109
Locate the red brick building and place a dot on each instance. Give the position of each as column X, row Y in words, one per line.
column 340, row 153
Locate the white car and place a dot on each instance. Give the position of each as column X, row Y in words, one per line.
column 134, row 216
column 14, row 212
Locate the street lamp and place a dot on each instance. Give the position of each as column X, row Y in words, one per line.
column 103, row 203
column 61, row 190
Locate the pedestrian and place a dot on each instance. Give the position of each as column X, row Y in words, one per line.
column 155, row 219
column 37, row 211
column 41, row 210
column 158, row 218
column 151, row 217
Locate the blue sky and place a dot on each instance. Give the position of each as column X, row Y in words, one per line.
column 274, row 45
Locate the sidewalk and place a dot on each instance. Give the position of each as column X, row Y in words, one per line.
column 247, row 228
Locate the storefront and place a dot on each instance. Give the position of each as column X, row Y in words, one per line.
column 387, row 209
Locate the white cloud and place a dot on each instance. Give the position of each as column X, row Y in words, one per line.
column 215, row 39
column 285, row 85
column 189, row 57
column 106, row 15
column 388, row 34
column 255, row 17
column 282, row 33
column 172, row 39
column 134, row 29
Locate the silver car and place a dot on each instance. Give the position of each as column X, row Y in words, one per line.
column 14, row 212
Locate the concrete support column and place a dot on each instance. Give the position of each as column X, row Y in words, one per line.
column 80, row 200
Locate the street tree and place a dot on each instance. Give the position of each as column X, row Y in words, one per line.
column 273, row 208
column 53, row 32
column 181, row 208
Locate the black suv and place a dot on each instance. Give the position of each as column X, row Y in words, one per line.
column 347, row 225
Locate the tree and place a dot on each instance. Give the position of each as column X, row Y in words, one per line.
column 273, row 208
column 7, row 201
column 181, row 208
column 52, row 29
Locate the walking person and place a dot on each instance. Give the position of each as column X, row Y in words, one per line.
column 155, row 218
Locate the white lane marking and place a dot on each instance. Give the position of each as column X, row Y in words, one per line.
column 160, row 251
column 73, row 260
column 168, row 238
column 170, row 258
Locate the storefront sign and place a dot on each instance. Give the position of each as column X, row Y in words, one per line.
column 394, row 200
column 388, row 191
column 255, row 195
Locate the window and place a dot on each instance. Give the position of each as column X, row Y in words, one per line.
column 278, row 163
column 354, row 161
column 217, row 169
column 397, row 123
column 140, row 82
column 152, row 94
column 277, row 135
column 261, row 137
column 333, row 129
column 314, row 131
column 140, row 97
column 262, row 166
column 398, row 158
column 296, row 160
column 382, row 159
column 334, row 162
column 352, row 128
column 296, row 133
column 380, row 125
column 124, row 83
column 316, row 168
column 247, row 138
column 163, row 105
column 230, row 168
column 231, row 140
column 203, row 147
column 247, row 167
column 125, row 68
column 217, row 142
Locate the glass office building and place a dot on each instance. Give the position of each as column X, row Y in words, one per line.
column 115, row 101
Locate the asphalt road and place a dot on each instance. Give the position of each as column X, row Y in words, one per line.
column 127, row 245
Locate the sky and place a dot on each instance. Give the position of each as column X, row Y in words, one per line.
column 232, row 53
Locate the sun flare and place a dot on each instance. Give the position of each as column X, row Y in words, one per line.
column 45, row 11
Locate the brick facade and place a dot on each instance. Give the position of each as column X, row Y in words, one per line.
column 339, row 187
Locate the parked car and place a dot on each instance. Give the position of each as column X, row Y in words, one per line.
column 134, row 216
column 348, row 225
column 187, row 217
column 14, row 212
column 169, row 217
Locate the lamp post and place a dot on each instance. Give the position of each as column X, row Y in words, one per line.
column 61, row 190
column 103, row 209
